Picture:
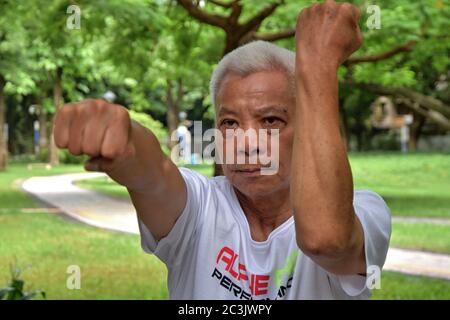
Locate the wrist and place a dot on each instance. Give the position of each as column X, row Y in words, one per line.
column 143, row 160
column 306, row 65
column 316, row 78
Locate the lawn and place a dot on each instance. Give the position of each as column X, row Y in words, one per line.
column 113, row 265
column 10, row 195
column 421, row 236
column 416, row 184
column 396, row 286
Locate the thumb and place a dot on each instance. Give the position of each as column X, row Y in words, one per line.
column 99, row 164
column 102, row 164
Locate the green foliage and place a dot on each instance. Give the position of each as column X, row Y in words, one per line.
column 15, row 289
column 66, row 157
column 136, row 47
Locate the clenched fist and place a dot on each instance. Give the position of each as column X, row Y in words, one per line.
column 95, row 128
column 327, row 34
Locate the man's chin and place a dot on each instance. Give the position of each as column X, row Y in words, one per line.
column 253, row 186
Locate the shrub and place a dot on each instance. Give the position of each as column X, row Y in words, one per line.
column 15, row 289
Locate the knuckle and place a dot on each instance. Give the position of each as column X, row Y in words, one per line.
column 84, row 111
column 349, row 9
column 122, row 114
column 59, row 143
column 303, row 13
column 90, row 149
column 75, row 150
column 65, row 111
column 110, row 152
column 346, row 6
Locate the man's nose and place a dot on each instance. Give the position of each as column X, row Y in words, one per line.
column 249, row 146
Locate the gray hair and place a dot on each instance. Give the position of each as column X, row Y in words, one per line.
column 251, row 58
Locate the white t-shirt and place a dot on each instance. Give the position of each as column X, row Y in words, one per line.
column 210, row 254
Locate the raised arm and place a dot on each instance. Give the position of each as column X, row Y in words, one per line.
column 129, row 153
column 327, row 228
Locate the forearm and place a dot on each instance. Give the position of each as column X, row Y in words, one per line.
column 322, row 186
column 155, row 186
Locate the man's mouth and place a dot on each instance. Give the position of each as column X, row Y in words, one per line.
column 252, row 171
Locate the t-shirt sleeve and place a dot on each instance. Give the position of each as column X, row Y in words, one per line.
column 375, row 217
column 172, row 248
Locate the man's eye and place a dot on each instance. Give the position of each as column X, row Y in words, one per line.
column 271, row 121
column 228, row 123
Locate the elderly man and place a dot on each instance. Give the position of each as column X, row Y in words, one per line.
column 301, row 233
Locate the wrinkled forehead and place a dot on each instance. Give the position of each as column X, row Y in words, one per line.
column 255, row 90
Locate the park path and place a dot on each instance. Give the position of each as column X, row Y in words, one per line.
column 110, row 213
column 84, row 205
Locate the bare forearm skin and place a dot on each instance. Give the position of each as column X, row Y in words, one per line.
column 156, row 187
column 327, row 228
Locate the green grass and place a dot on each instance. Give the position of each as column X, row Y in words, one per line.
column 397, row 286
column 10, row 193
column 416, row 184
column 104, row 185
column 421, row 236
column 113, row 265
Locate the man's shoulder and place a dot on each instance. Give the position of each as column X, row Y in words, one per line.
column 218, row 183
column 365, row 195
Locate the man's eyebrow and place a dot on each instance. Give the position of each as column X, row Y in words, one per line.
column 224, row 110
column 271, row 109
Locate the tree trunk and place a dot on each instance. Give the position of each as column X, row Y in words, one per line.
column 3, row 144
column 416, row 130
column 57, row 98
column 43, row 132
column 231, row 42
column 173, row 109
column 343, row 125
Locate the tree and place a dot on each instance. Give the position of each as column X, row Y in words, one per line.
column 237, row 33
column 14, row 64
column 407, row 72
column 380, row 66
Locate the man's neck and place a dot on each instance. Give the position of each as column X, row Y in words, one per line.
column 265, row 213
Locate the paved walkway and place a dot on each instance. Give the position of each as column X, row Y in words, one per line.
column 439, row 221
column 106, row 212
column 87, row 206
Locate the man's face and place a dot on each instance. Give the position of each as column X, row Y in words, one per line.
column 261, row 100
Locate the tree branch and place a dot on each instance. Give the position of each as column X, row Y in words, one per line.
column 427, row 101
column 203, row 16
column 434, row 116
column 284, row 34
column 406, row 47
column 254, row 22
column 236, row 10
column 222, row 4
